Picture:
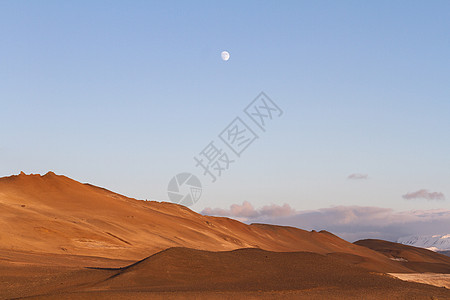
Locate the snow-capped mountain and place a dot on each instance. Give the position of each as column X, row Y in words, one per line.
column 430, row 242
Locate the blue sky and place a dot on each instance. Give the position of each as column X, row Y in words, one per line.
column 123, row 94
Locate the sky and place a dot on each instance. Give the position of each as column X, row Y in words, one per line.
column 124, row 95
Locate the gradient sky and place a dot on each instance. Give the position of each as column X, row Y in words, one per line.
column 123, row 94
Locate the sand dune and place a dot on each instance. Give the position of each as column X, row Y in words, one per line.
column 239, row 274
column 55, row 214
column 413, row 258
column 63, row 239
column 242, row 269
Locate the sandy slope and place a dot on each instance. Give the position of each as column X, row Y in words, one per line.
column 428, row 278
column 182, row 273
column 413, row 258
column 243, row 269
column 55, row 214
column 63, row 239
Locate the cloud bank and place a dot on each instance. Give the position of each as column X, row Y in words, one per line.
column 424, row 194
column 349, row 222
column 246, row 211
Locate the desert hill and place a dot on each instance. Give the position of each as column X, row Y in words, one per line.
column 239, row 274
column 55, row 214
column 242, row 269
column 414, row 258
column 60, row 238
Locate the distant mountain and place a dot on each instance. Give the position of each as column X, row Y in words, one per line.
column 438, row 243
column 444, row 252
column 414, row 258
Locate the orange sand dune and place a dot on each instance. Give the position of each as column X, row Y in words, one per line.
column 181, row 273
column 63, row 239
column 55, row 214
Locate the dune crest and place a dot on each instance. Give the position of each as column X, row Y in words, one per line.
column 55, row 214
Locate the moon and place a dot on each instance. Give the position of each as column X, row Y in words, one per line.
column 225, row 55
